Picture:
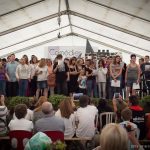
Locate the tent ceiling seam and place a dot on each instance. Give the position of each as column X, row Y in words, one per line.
column 78, row 15
column 7, row 13
column 32, row 23
column 109, row 25
column 34, row 37
column 69, row 18
column 36, row 45
column 120, row 11
column 110, row 38
column 105, row 44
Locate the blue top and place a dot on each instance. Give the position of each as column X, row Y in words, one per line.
column 11, row 70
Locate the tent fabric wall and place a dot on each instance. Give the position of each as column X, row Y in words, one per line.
column 118, row 23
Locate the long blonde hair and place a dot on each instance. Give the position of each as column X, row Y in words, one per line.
column 66, row 108
column 38, row 105
column 42, row 63
column 114, row 137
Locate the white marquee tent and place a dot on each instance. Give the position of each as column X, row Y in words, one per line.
column 27, row 26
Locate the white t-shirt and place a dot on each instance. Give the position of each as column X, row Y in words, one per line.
column 133, row 128
column 69, row 124
column 101, row 74
column 20, row 124
column 86, row 118
column 82, row 82
column 125, row 123
column 29, row 115
column 43, row 76
column 23, row 71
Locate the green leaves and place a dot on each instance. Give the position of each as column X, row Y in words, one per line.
column 58, row 145
column 18, row 100
column 55, row 100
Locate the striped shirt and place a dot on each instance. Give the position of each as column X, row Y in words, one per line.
column 3, row 114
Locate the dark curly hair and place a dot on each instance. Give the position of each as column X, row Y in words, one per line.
column 20, row 111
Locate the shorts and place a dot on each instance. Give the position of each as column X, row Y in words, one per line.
column 130, row 83
column 42, row 84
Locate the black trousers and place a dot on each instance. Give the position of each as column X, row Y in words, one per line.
column 12, row 89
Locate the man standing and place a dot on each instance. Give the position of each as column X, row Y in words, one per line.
column 49, row 122
column 12, row 87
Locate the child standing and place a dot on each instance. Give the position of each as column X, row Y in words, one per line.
column 82, row 82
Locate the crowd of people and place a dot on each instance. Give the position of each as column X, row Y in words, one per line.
column 78, row 121
column 44, row 77
column 75, row 75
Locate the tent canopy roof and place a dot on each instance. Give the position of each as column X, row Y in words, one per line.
column 124, row 25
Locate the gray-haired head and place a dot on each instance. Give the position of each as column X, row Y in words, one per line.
column 47, row 108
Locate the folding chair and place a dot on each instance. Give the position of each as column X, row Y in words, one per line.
column 55, row 135
column 106, row 118
column 19, row 138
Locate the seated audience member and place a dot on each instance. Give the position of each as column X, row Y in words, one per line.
column 103, row 106
column 138, row 115
column 49, row 122
column 130, row 127
column 148, row 127
column 40, row 141
column 3, row 115
column 37, row 113
column 28, row 116
column 4, row 144
column 113, row 137
column 20, row 123
column 118, row 105
column 67, row 114
column 85, row 116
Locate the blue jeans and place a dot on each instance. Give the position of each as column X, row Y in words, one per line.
column 2, row 87
column 23, row 85
column 92, row 88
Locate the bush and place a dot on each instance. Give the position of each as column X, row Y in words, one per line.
column 55, row 100
column 145, row 103
column 58, row 145
column 17, row 100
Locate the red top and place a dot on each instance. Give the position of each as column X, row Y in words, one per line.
column 136, row 108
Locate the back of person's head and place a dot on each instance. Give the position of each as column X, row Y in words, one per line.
column 20, row 111
column 84, row 101
column 133, row 100
column 114, row 137
column 47, row 108
column 126, row 114
column 66, row 108
column 102, row 103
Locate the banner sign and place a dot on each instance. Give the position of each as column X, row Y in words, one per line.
column 66, row 51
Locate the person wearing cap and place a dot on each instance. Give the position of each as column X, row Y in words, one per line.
column 49, row 122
